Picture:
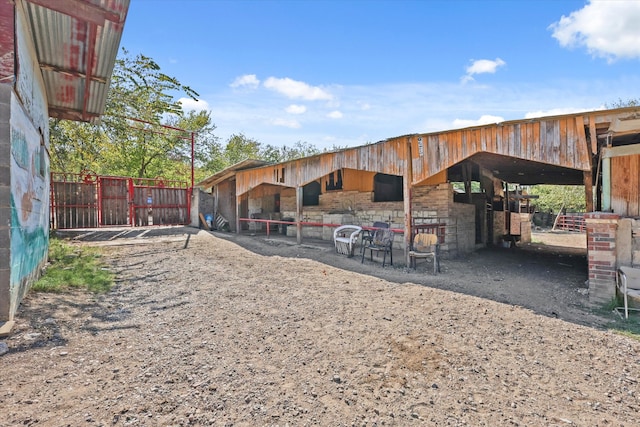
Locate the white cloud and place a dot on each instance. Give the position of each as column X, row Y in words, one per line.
column 291, row 124
column 248, row 80
column 297, row 90
column 335, row 115
column 296, row 109
column 608, row 29
column 401, row 109
column 189, row 104
column 557, row 112
column 483, row 120
column 482, row 66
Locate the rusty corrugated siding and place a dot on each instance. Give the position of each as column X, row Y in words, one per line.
column 71, row 48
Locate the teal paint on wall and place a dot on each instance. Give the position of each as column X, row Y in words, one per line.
column 28, row 254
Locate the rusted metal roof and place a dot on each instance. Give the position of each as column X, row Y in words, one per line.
column 229, row 172
column 76, row 43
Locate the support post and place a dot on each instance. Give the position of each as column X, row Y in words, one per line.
column 193, row 154
column 215, row 204
column 238, row 202
column 299, row 215
column 588, row 190
column 406, row 192
column 606, row 184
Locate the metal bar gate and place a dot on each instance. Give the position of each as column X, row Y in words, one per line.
column 87, row 200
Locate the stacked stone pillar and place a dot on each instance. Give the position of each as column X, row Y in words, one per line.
column 601, row 247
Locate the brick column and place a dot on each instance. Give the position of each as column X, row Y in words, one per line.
column 601, row 250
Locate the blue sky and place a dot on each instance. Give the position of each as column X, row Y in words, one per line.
column 347, row 73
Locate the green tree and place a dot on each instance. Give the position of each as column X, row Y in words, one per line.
column 132, row 139
column 282, row 154
column 76, row 147
column 207, row 148
column 239, row 148
column 557, row 197
column 139, row 99
column 631, row 102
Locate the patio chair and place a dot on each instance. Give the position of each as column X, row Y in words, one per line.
column 367, row 235
column 345, row 239
column 425, row 245
column 382, row 241
column 628, row 284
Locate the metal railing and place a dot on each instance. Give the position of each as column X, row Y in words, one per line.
column 570, row 222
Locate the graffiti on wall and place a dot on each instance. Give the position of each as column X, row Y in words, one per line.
column 29, row 169
column 29, row 202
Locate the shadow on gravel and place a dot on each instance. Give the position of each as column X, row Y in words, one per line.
column 549, row 280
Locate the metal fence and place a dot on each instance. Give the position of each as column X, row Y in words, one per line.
column 87, row 200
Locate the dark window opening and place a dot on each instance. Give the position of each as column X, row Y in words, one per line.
column 387, row 188
column 42, row 156
column 334, row 181
column 311, row 194
column 282, row 176
column 276, row 202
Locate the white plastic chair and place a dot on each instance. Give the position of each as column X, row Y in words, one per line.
column 628, row 284
column 345, row 239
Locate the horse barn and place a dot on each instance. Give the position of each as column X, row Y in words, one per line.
column 57, row 60
column 408, row 182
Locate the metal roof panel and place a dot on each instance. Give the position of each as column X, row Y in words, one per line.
column 76, row 44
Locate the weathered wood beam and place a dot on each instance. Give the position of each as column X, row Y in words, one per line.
column 588, row 190
column 299, row 218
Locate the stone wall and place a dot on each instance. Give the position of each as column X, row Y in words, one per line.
column 357, row 207
column 628, row 242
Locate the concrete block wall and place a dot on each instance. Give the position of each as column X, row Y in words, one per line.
column 5, row 201
column 201, row 203
column 635, row 243
column 461, row 228
column 430, row 200
column 628, row 242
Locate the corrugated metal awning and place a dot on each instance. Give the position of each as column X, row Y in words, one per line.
column 76, row 43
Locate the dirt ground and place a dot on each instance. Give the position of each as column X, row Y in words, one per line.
column 247, row 331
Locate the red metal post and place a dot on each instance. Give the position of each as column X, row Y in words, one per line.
column 193, row 153
column 99, row 191
column 189, row 195
column 132, row 209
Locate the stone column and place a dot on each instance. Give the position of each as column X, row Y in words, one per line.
column 601, row 250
